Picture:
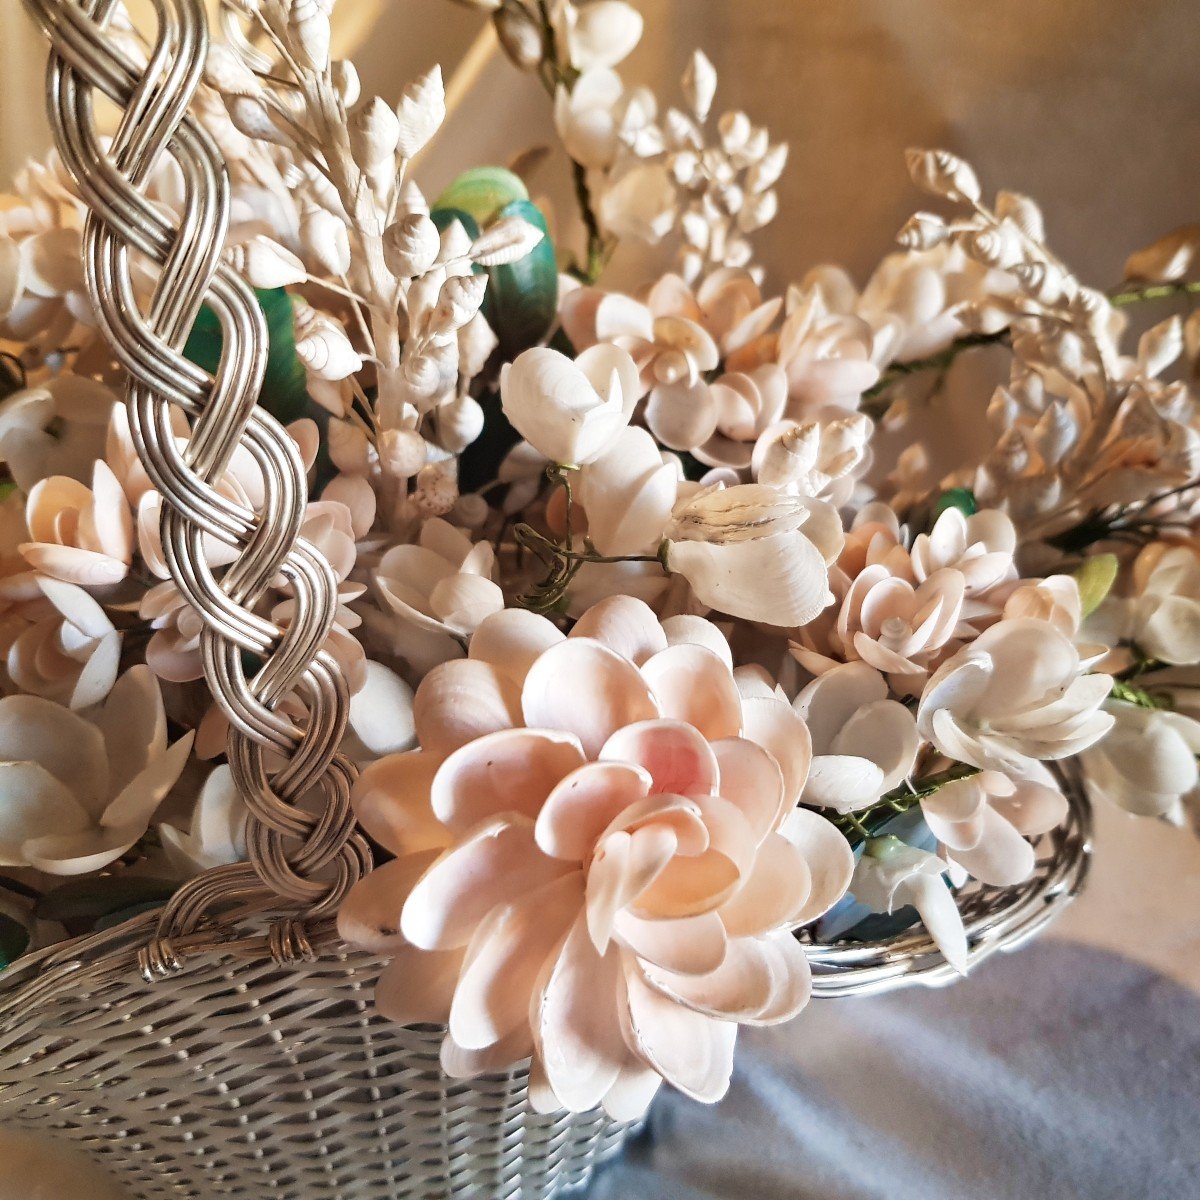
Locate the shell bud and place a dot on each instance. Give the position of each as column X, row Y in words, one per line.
column 943, row 174
column 437, row 488
column 520, row 37
column 459, row 423
column 251, row 117
column 266, row 264
column 402, row 452
column 345, row 79
column 923, row 231
column 411, row 245
column 308, row 25
column 374, row 132
column 327, row 239
column 226, row 72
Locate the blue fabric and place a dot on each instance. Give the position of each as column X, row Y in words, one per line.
column 1056, row 1073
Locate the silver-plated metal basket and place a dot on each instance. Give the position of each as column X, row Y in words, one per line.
column 241, row 1077
column 226, row 1046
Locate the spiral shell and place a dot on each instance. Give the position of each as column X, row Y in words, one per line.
column 266, row 264
column 326, row 238
column 411, row 245
column 308, row 24
column 323, row 347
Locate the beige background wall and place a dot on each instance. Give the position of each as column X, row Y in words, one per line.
column 1092, row 106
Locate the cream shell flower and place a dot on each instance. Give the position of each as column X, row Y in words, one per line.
column 1015, row 696
column 78, row 793
column 568, row 410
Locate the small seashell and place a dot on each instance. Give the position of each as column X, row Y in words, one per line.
column 1022, row 212
column 374, row 131
column 995, row 246
column 251, row 117
column 459, row 423
column 346, row 82
column 308, row 24
column 700, row 85
column 520, row 37
column 437, row 488
column 411, row 245
column 1168, row 259
column 420, row 113
column 326, row 351
column 326, row 238
column 766, row 172
column 758, row 211
column 458, row 301
column 507, row 241
column 225, row 71
column 735, row 130
column 943, row 174
column 923, row 231
column 402, row 452
column 265, row 263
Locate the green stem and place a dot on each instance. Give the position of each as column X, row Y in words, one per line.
column 864, row 822
column 1154, row 291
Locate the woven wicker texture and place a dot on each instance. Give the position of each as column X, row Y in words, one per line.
column 242, row 1078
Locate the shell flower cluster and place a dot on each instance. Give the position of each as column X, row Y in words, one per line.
column 663, row 663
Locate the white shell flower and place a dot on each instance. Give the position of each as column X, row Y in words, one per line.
column 980, row 547
column 597, row 33
column 864, row 743
column 77, row 534
column 753, row 552
column 1162, row 618
column 890, row 875
column 589, row 116
column 570, row 411
column 640, row 203
column 442, row 584
column 70, row 655
column 57, row 428
column 216, row 833
column 79, row 793
column 1146, row 764
column 1013, row 697
column 983, row 822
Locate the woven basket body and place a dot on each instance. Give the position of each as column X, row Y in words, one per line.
column 242, row 1078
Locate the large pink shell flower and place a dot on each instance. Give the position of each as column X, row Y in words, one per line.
column 599, row 858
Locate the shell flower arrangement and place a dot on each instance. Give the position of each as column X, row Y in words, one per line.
column 656, row 655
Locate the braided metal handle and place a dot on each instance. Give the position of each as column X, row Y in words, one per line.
column 309, row 861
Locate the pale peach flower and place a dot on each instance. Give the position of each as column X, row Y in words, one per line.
column 599, row 858
column 983, row 822
column 864, row 743
column 70, row 652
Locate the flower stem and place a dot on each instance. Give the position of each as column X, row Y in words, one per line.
column 865, row 821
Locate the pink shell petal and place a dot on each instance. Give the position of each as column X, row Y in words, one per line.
column 783, row 734
column 777, row 887
column 623, row 624
column 462, row 700
column 688, row 945
column 690, row 1050
column 505, row 958
column 576, row 1019
column 750, row 778
column 495, row 864
column 513, row 770
column 391, row 801
column 512, row 640
column 624, row 866
column 584, row 804
column 829, row 858
column 584, row 688
column 693, row 685
column 369, row 917
column 677, row 757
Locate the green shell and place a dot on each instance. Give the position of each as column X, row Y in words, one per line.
column 285, row 387
column 484, row 193
column 522, row 297
column 961, row 498
column 1096, row 576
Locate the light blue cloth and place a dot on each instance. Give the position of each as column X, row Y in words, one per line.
column 1056, row 1073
